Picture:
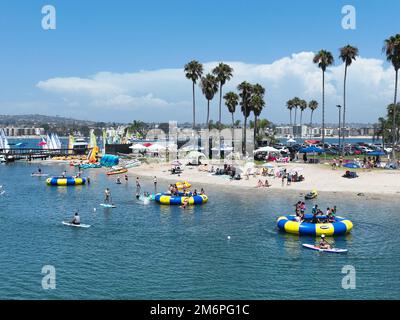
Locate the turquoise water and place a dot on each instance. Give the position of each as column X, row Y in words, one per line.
column 141, row 251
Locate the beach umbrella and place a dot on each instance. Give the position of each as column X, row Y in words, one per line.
column 147, row 144
column 138, row 146
column 311, row 149
column 291, row 141
column 156, row 148
column 376, row 153
column 266, row 149
column 42, row 143
column 352, row 165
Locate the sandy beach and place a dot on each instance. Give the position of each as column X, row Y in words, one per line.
column 320, row 177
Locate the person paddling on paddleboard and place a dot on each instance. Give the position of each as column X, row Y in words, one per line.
column 76, row 220
column 323, row 244
column 107, row 195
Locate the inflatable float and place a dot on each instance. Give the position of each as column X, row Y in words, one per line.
column 164, row 198
column 289, row 224
column 311, row 195
column 183, row 185
column 65, row 181
column 119, row 171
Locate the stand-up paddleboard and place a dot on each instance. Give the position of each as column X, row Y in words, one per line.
column 76, row 225
column 317, row 248
column 39, row 174
column 106, row 205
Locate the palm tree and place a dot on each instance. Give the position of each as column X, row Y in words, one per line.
column 193, row 71
column 290, row 106
column 257, row 104
column 209, row 86
column 347, row 54
column 313, row 105
column 303, row 106
column 231, row 101
column 223, row 72
column 324, row 59
column 246, row 90
column 392, row 50
column 296, row 104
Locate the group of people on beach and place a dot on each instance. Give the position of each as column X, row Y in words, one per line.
column 317, row 215
column 365, row 163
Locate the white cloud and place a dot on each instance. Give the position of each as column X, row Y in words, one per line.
column 166, row 94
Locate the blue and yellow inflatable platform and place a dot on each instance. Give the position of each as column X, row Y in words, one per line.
column 65, row 181
column 289, row 224
column 165, row 198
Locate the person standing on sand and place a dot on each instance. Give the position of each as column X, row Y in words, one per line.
column 126, row 178
column 155, row 183
column 283, row 177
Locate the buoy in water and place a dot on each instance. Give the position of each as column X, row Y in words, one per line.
column 229, row 237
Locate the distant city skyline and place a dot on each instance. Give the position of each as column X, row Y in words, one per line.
column 123, row 61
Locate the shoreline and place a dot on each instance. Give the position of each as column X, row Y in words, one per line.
column 369, row 184
column 356, row 187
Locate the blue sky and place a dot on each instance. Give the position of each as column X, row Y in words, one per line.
column 126, row 37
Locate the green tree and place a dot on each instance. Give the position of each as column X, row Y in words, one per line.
column 245, row 92
column 257, row 105
column 392, row 50
column 313, row 105
column 193, row 71
column 223, row 73
column 209, row 87
column 323, row 59
column 347, row 54
column 231, row 102
column 290, row 106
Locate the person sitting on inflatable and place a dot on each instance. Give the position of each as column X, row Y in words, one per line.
column 323, row 244
column 76, row 220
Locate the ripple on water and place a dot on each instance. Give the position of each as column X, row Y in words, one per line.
column 151, row 251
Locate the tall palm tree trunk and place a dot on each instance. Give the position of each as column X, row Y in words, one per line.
column 244, row 132
column 312, row 111
column 344, row 109
column 233, row 130
column 255, row 132
column 394, row 114
column 220, row 103
column 290, row 117
column 194, row 109
column 208, row 114
column 323, row 108
column 301, row 122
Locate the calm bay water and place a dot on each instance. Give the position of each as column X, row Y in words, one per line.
column 141, row 251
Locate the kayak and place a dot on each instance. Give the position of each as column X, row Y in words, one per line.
column 105, row 205
column 317, row 248
column 120, row 171
column 75, row 225
column 39, row 174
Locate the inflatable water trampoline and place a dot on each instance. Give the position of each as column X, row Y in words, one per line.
column 164, row 198
column 339, row 226
column 65, row 181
